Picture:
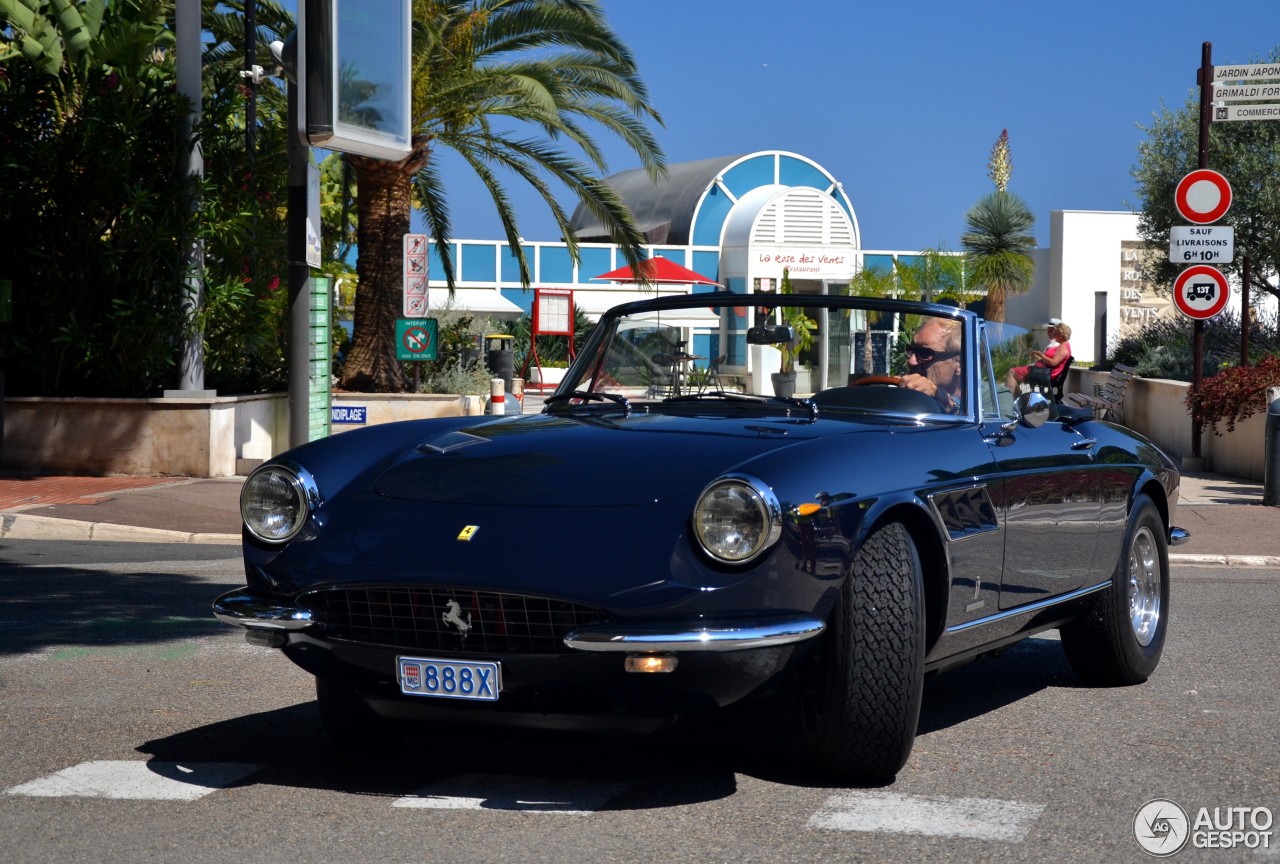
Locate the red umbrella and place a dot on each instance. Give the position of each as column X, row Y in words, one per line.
column 660, row 271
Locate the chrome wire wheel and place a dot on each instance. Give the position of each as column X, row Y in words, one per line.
column 1144, row 586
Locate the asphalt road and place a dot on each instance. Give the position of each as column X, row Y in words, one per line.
column 134, row 727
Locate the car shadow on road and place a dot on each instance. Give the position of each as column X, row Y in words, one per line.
column 692, row 763
column 662, row 770
column 1021, row 670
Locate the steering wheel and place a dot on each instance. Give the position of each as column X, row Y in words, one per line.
column 891, row 380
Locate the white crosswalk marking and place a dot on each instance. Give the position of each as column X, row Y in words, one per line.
column 138, row 781
column 525, row 794
column 934, row 816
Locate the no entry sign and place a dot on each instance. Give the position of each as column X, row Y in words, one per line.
column 1203, row 196
column 1200, row 292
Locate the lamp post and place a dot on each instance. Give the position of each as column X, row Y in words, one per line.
column 191, row 362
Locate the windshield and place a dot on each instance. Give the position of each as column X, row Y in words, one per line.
column 839, row 353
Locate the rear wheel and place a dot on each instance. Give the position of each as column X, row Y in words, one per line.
column 860, row 722
column 1119, row 639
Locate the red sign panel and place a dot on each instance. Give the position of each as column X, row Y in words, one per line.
column 553, row 311
column 1201, row 291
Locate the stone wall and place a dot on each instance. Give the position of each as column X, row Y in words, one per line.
column 1156, row 408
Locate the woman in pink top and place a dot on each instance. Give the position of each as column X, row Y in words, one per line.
column 1050, row 358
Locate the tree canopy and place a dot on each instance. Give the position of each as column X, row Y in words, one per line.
column 505, row 84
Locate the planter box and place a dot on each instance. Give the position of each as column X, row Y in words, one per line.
column 1156, row 408
column 219, row 436
column 549, row 376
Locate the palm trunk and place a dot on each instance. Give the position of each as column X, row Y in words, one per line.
column 384, row 201
column 994, row 310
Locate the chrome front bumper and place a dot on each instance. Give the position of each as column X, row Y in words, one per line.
column 244, row 610
column 711, row 636
column 239, row 608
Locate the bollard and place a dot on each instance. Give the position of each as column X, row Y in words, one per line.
column 517, row 394
column 1271, row 466
column 497, row 399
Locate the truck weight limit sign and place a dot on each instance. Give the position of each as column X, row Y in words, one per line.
column 1200, row 292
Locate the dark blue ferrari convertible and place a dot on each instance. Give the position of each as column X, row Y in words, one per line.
column 813, row 501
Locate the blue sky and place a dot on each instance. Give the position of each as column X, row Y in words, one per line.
column 902, row 101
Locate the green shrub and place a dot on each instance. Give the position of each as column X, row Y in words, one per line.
column 1164, row 349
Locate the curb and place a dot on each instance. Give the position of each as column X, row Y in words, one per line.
column 17, row 526
column 1227, row 560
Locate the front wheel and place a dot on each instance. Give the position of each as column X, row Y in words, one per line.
column 860, row 724
column 1119, row 638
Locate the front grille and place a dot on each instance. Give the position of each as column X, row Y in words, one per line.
column 427, row 619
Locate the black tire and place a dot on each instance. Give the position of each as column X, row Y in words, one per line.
column 347, row 720
column 1118, row 640
column 860, row 724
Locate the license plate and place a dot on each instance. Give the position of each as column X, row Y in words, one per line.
column 449, row 679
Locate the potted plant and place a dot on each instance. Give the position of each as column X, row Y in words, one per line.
column 784, row 380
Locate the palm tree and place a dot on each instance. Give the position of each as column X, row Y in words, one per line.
column 999, row 240
column 871, row 282
column 998, row 246
column 482, row 69
column 931, row 275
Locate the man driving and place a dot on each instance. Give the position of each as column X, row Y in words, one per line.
column 933, row 363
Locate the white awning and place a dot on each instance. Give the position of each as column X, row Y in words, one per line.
column 484, row 301
column 595, row 302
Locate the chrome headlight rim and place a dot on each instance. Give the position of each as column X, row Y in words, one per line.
column 304, row 487
column 770, row 513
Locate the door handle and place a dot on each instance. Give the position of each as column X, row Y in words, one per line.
column 1084, row 444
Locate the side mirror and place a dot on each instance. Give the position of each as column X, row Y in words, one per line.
column 1030, row 410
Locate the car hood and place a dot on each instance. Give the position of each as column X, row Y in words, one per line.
column 586, row 460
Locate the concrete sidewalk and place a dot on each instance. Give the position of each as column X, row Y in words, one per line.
column 1229, row 525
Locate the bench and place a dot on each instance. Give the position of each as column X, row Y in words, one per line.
column 1107, row 401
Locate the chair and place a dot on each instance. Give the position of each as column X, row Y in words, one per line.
column 713, row 374
column 1053, row 389
column 1056, row 384
column 665, row 368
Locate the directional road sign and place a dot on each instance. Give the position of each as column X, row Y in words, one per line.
column 1202, row 244
column 1203, row 196
column 1200, row 291
column 1247, row 72
column 1245, row 92
column 1252, row 111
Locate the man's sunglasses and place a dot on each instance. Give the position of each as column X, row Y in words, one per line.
column 928, row 355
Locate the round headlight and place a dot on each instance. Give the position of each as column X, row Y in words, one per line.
column 276, row 501
column 737, row 518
